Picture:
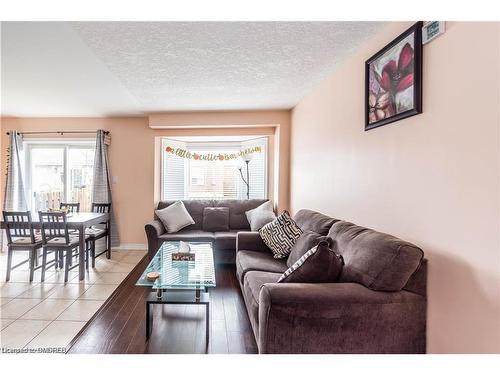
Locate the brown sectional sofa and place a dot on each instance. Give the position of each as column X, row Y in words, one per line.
column 378, row 305
column 224, row 242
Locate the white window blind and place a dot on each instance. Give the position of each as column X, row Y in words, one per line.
column 257, row 168
column 173, row 171
column 187, row 178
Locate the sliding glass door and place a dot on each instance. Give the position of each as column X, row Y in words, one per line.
column 59, row 172
column 80, row 167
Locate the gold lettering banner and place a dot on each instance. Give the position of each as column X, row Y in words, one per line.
column 211, row 157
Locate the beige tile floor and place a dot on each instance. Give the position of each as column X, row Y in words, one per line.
column 49, row 314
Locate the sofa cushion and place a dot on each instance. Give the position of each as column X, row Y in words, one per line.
column 194, row 207
column 226, row 240
column 175, row 217
column 376, row 260
column 318, row 265
column 237, row 209
column 305, row 242
column 314, row 221
column 251, row 290
column 188, row 235
column 280, row 235
column 216, row 219
column 260, row 216
column 257, row 261
column 254, row 280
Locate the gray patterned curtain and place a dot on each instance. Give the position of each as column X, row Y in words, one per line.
column 101, row 192
column 14, row 198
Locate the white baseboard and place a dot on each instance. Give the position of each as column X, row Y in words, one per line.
column 131, row 246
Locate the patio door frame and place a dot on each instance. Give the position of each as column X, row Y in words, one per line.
column 65, row 145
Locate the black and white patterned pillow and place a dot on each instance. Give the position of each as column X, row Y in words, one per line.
column 280, row 235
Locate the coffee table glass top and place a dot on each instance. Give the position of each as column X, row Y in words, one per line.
column 199, row 273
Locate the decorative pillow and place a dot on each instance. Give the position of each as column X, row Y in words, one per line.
column 216, row 219
column 280, row 235
column 260, row 216
column 174, row 217
column 318, row 265
column 307, row 240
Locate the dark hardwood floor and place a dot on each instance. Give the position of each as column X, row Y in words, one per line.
column 120, row 326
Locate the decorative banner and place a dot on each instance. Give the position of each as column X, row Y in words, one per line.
column 211, row 157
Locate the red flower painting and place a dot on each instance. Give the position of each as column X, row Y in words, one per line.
column 397, row 77
column 393, row 79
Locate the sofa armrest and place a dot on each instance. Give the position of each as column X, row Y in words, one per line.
column 154, row 229
column 250, row 241
column 339, row 318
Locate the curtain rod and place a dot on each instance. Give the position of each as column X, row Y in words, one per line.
column 61, row 132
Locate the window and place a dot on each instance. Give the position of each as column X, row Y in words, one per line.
column 59, row 172
column 195, row 178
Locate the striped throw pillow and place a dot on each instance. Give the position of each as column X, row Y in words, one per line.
column 280, row 235
column 320, row 264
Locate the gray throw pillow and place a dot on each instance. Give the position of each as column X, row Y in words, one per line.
column 318, row 265
column 280, row 235
column 305, row 242
column 260, row 216
column 174, row 217
column 216, row 219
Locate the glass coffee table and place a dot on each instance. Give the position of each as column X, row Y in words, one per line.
column 180, row 282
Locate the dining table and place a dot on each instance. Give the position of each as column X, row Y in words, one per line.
column 77, row 221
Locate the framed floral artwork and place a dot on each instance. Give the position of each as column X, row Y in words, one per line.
column 393, row 80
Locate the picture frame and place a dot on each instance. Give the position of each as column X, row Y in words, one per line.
column 393, row 80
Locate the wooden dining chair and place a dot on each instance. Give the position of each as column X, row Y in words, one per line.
column 97, row 232
column 57, row 239
column 73, row 207
column 21, row 237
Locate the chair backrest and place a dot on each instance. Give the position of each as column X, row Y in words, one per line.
column 102, row 208
column 73, row 207
column 18, row 224
column 54, row 225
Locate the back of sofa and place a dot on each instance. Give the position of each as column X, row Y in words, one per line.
column 237, row 209
column 376, row 260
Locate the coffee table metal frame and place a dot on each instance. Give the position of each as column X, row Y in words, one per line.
column 184, row 289
column 178, row 298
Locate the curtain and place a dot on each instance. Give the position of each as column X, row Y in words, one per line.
column 101, row 191
column 14, row 198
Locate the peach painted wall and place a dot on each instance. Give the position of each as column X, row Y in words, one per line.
column 132, row 159
column 432, row 179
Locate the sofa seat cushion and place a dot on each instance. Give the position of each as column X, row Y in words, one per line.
column 250, row 290
column 258, row 261
column 188, row 235
column 254, row 280
column 226, row 240
column 376, row 260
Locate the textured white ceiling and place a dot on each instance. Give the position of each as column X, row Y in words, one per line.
column 131, row 68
